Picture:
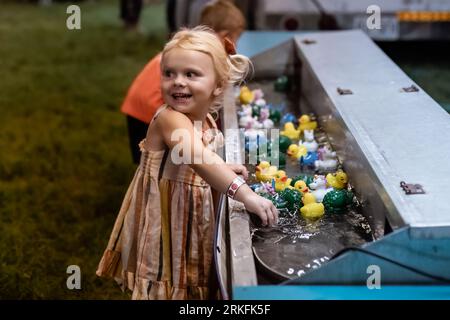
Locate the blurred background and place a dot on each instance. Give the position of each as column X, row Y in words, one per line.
column 64, row 157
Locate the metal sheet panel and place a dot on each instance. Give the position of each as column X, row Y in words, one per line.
column 404, row 136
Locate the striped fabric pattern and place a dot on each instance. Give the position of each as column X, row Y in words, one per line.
column 161, row 246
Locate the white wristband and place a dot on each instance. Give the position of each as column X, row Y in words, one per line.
column 234, row 186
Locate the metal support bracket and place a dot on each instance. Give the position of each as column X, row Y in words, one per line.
column 412, row 188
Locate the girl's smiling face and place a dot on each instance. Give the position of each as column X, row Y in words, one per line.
column 188, row 82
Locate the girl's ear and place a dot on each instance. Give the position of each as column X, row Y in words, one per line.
column 218, row 91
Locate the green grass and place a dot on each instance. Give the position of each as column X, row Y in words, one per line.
column 64, row 161
column 427, row 63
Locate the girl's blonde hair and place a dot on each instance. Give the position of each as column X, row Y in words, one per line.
column 229, row 69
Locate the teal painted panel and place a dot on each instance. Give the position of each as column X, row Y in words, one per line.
column 272, row 292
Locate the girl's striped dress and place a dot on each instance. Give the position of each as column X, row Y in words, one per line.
column 161, row 246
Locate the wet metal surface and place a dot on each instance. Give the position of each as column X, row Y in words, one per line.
column 295, row 246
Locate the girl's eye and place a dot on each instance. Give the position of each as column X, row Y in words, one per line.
column 167, row 73
column 190, row 74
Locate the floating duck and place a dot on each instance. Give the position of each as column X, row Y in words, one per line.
column 275, row 115
column 260, row 102
column 336, row 201
column 258, row 94
column 289, row 117
column 301, row 186
column 305, row 123
column 274, row 158
column 245, row 95
column 319, row 187
column 327, row 159
column 281, row 181
column 282, row 84
column 306, row 178
column 337, row 180
column 290, row 131
column 265, row 172
column 296, row 151
column 277, row 201
column 284, row 143
column 292, row 197
column 311, row 210
column 309, row 141
column 309, row 159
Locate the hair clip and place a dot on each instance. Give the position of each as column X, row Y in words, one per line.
column 230, row 48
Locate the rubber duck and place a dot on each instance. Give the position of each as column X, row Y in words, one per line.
column 319, row 187
column 284, row 143
column 277, row 201
column 282, row 84
column 306, row 178
column 245, row 95
column 289, row 117
column 265, row 172
column 267, row 124
column 290, row 131
column 281, row 181
column 309, row 160
column 305, row 123
column 258, row 94
column 301, row 186
column 293, row 198
column 336, row 201
column 296, row 151
column 327, row 159
column 260, row 102
column 275, row 115
column 337, row 180
column 309, row 141
column 278, row 159
column 311, row 210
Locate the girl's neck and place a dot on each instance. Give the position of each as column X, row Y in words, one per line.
column 198, row 117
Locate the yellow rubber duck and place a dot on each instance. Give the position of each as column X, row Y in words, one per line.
column 296, row 151
column 337, row 180
column 301, row 186
column 290, row 131
column 246, row 95
column 265, row 172
column 306, row 123
column 311, row 210
column 281, row 181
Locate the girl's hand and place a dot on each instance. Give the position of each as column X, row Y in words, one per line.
column 263, row 208
column 239, row 169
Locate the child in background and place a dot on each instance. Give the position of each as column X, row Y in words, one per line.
column 161, row 246
column 144, row 96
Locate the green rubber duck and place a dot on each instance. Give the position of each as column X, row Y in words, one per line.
column 336, row 201
column 293, row 198
column 284, row 143
column 256, row 111
column 278, row 202
column 275, row 116
column 282, row 84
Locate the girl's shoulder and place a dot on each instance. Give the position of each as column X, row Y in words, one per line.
column 168, row 118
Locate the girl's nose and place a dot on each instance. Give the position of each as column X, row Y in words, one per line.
column 179, row 81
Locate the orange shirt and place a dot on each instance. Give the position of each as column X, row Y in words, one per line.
column 144, row 96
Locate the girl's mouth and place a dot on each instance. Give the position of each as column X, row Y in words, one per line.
column 181, row 97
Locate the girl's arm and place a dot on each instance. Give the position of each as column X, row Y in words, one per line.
column 179, row 135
